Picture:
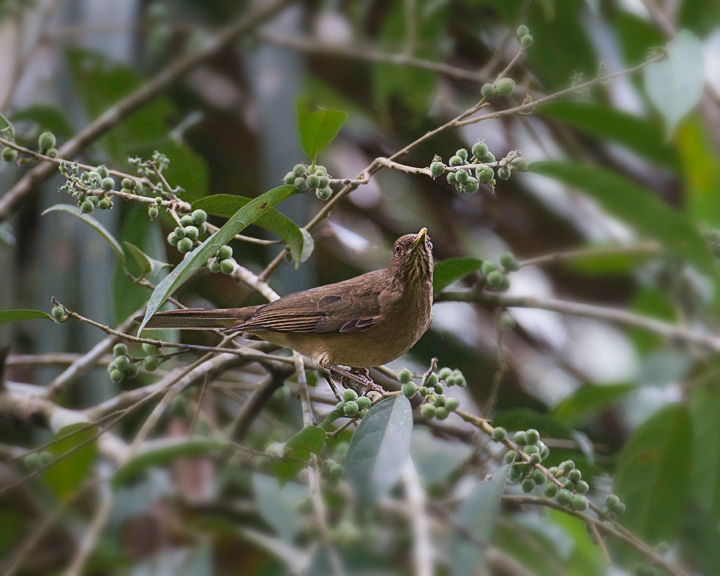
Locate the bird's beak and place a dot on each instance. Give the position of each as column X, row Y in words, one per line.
column 419, row 238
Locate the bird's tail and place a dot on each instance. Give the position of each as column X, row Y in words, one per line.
column 201, row 318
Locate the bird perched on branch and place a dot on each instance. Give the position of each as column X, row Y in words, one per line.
column 362, row 322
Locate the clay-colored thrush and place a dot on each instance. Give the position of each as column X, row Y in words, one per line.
column 362, row 322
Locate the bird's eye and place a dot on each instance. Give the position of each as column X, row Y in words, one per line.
column 398, row 249
column 429, row 244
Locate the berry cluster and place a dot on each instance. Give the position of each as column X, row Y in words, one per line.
column 46, row 144
column 191, row 227
column 435, row 404
column 223, row 261
column 496, row 275
column 90, row 189
column 523, row 34
column 309, row 178
column 574, row 487
column 126, row 366
column 352, row 405
column 331, row 471
column 36, row 460
column 9, row 154
column 503, row 87
column 613, row 506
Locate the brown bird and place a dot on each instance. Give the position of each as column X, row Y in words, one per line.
column 362, row 322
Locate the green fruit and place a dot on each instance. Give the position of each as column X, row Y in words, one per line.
column 153, row 212
column 532, row 435
column 351, row 409
column 441, row 412
column 122, row 362
column 46, row 457
column 299, row 170
column 404, row 376
column 462, row 153
column 32, row 461
column 530, row 448
column 479, row 149
column 132, row 371
column 570, row 485
column 507, row 321
column 535, row 459
column 190, row 231
column 551, row 490
column 510, row 456
column 451, row 178
column 522, row 30
column 214, row 266
column 440, row 399
column 498, row 280
column 461, row 176
column 120, row 350
column 323, row 193
column 184, row 245
column 86, row 207
column 349, row 394
column 488, row 158
column 484, row 174
column 107, row 183
column 363, row 413
column 509, row 262
column 488, row 266
column 579, row 503
column 528, row 485
column 567, row 466
column 199, row 217
column 505, row 86
column 423, row 391
column 504, row 173
column 320, row 170
column 444, row 373
column 336, row 471
column 117, row 376
column 564, row 496
column 58, row 313
column 46, row 140
column 224, row 252
column 150, row 363
column 289, row 178
column 519, row 438
column 432, row 380
column 539, row 477
column 575, row 475
column 313, row 181
column 186, row 221
column 227, row 266
column 553, row 470
column 409, row 389
column 611, row 501
column 581, row 487
column 471, row 186
column 127, row 183
column 515, row 474
column 544, row 451
column 52, row 152
column 487, row 90
column 439, row 388
column 526, row 40
column 456, row 161
column 364, row 402
column 104, row 204
column 437, row 168
column 427, row 411
column 301, row 184
column 172, row 239
column 619, row 509
column 324, row 182
column 519, row 164
column 499, row 434
column 452, row 404
column 9, row 154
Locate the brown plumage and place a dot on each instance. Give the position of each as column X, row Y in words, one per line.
column 362, row 322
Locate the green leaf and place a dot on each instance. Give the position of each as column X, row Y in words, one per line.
column 310, row 440
column 273, row 220
column 704, row 410
column 50, row 118
column 436, row 459
column 68, row 474
column 198, row 257
column 653, row 474
column 104, row 232
column 452, row 269
column 317, row 129
column 18, row 315
column 636, row 206
column 162, row 452
column 477, row 514
column 676, row 84
column 147, row 264
column 278, row 506
column 379, row 447
column 589, row 400
column 609, row 123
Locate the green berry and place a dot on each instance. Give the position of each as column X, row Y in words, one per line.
column 32, row 461
column 504, row 173
column 519, row 438
column 186, row 221
column 532, row 436
column 471, row 186
column 440, row 399
column 461, row 176
column 505, row 86
column 404, row 376
column 509, row 262
column 364, row 402
column 499, row 434
column 104, row 204
column 436, row 169
column 46, row 457
column 567, row 466
column 441, row 412
column 351, row 409
column 581, row 487
column 301, row 183
column 9, row 154
column 323, row 193
column 611, row 501
column 423, row 391
column 488, row 158
column 102, row 172
column 452, row 404
column 579, row 503
column 564, row 497
column 535, row 459
column 498, row 280
column 487, row 90
column 439, row 388
column 320, row 170
column 427, row 411
column 479, row 149
column 462, row 153
column 349, row 394
column 52, row 152
column 107, row 183
column 488, row 266
column 225, row 252
column 324, row 182
column 46, row 140
column 451, row 178
column 409, row 389
column 58, row 313
column 299, row 170
column 172, row 239
column 150, row 363
column 619, row 509
column 551, row 490
column 289, row 178
column 432, row 380
column 117, row 376
column 153, row 212
column 132, row 371
column 127, row 183
column 575, row 475
column 484, row 174
column 544, row 451
column 519, row 164
column 86, row 206
column 313, row 181
column 227, row 266
column 199, row 217
column 444, row 373
column 539, row 477
column 522, row 30
column 336, row 471
column 120, row 350
column 528, row 485
column 456, row 161
column 122, row 362
column 553, row 470
column 363, row 413
column 510, row 456
column 184, row 245
column 507, row 321
column 214, row 266
column 190, row 231
column 530, row 448
column 526, row 40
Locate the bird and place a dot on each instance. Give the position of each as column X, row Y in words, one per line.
column 359, row 323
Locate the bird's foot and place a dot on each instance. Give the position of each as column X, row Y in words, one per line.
column 359, row 376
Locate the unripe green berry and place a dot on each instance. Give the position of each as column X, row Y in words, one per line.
column 320, row 170
column 507, row 321
column 58, row 313
column 526, row 40
column 427, row 411
column 191, row 232
column 104, row 204
column 349, row 394
column 404, row 376
column 619, row 509
column 479, row 149
column 515, row 474
column 122, row 362
column 301, row 184
column 519, row 438
column 471, row 186
column 505, row 86
column 172, row 239
column 227, row 266
column 564, row 496
column 351, row 409
column 120, row 350
column 579, row 503
column 509, row 262
column 504, row 173
column 567, row 465
column 214, row 266
column 456, row 161
column 522, row 30
column 324, row 182
column 519, row 164
column 461, row 176
column 441, row 412
column 451, row 178
column 440, row 399
column 224, row 252
column 9, row 154
column 323, row 193
column 544, row 451
column 539, row 477
column 498, row 281
column 184, row 245
column 126, row 183
column 581, row 487
column 336, row 471
column 437, row 168
column 132, row 371
column 569, row 484
column 528, row 485
column 488, row 158
column 313, row 181
column 149, row 348
column 462, row 153
column 199, row 217
column 432, row 380
column 611, row 501
column 158, row 199
column 32, row 461
column 439, row 388
column 551, row 490
column 299, row 169
column 484, row 174
column 499, row 434
column 86, row 206
column 487, row 90
column 488, row 266
column 46, row 140
column 409, row 389
column 52, row 152
column 186, row 221
column 289, row 178
column 423, row 391
column 364, row 402
column 444, row 373
column 575, row 475
column 153, row 212
column 452, row 404
column 510, row 456
column 530, row 448
column 117, row 376
column 95, row 200
column 150, row 363
column 107, row 183
column 532, row 435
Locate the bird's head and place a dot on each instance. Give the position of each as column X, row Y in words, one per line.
column 412, row 257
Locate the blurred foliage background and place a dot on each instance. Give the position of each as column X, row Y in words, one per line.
column 622, row 201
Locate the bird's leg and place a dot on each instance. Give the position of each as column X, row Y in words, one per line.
column 363, row 378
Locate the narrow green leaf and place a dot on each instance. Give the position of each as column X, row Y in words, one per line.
column 379, row 448
column 278, row 506
column 147, row 264
column 634, row 133
column 318, row 129
column 589, row 400
column 18, row 315
column 436, row 459
column 104, row 232
column 273, row 220
column 676, row 84
column 198, row 257
column 704, row 410
column 636, row 206
column 477, row 515
column 452, row 269
column 653, row 474
column 67, row 475
column 310, row 440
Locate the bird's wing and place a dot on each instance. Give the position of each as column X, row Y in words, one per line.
column 349, row 306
